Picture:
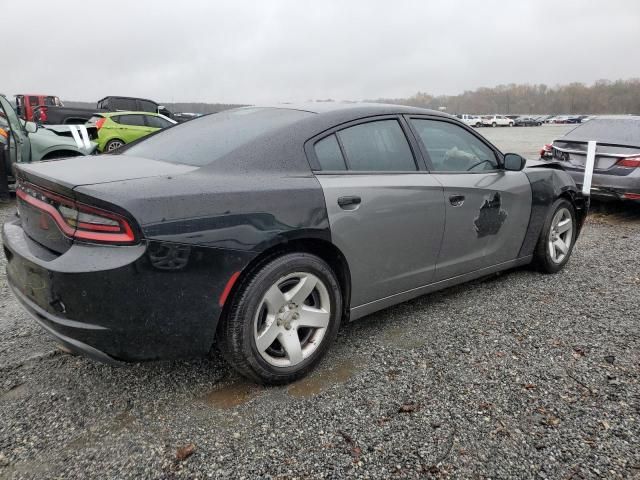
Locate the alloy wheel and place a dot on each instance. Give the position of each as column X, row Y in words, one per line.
column 292, row 319
column 114, row 146
column 560, row 235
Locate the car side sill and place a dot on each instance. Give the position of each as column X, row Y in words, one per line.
column 368, row 308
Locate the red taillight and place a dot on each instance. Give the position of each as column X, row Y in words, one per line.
column 629, row 162
column 77, row 220
column 631, row 196
column 42, row 114
column 546, row 149
column 100, row 122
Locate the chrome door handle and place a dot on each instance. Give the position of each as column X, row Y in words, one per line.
column 456, row 200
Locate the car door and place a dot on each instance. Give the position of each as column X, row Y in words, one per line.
column 386, row 212
column 487, row 208
column 19, row 147
column 132, row 127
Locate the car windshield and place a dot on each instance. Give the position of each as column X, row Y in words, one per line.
column 206, row 139
column 623, row 131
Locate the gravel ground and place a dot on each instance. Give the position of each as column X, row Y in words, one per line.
column 521, row 375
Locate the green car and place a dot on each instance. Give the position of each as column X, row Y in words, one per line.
column 116, row 129
column 24, row 142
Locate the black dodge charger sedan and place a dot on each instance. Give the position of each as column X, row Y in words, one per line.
column 263, row 228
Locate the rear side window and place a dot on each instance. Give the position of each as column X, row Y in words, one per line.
column 452, row 149
column 377, row 146
column 206, row 139
column 329, row 155
column 133, row 120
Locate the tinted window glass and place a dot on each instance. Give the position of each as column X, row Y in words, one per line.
column 377, row 146
column 329, row 154
column 122, row 104
column 453, row 149
column 206, row 139
column 157, row 122
column 147, row 106
column 133, row 120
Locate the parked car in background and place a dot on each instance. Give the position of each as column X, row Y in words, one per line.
column 617, row 167
column 527, row 122
column 265, row 228
column 61, row 115
column 116, row 129
column 471, row 120
column 497, row 121
column 26, row 103
column 132, row 104
column 29, row 143
column 185, row 116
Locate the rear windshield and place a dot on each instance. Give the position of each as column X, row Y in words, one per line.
column 204, row 140
column 623, row 131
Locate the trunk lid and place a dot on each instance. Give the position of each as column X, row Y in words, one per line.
column 60, row 178
column 572, row 154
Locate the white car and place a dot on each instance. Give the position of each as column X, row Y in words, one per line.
column 471, row 120
column 497, row 121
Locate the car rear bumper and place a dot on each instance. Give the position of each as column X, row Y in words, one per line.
column 613, row 187
column 144, row 302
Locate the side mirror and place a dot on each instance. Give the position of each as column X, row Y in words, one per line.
column 514, row 162
column 31, row 127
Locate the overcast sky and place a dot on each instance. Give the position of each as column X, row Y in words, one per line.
column 298, row 50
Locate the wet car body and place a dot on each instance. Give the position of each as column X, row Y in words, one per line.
column 617, row 166
column 195, row 230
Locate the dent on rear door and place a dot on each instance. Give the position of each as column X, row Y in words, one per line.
column 392, row 239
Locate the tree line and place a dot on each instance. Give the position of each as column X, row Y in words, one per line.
column 604, row 96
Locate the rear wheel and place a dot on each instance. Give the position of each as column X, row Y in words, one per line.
column 113, row 145
column 557, row 238
column 282, row 319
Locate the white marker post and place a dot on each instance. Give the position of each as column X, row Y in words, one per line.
column 588, row 168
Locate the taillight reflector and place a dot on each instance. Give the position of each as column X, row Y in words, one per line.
column 77, row 220
column 100, row 122
column 632, row 196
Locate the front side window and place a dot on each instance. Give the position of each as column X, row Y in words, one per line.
column 157, row 122
column 133, row 120
column 329, row 155
column 377, row 146
column 452, row 149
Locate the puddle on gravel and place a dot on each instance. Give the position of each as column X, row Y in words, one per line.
column 232, row 395
column 323, row 379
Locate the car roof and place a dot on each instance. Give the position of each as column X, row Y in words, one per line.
column 126, row 112
column 128, row 98
column 354, row 109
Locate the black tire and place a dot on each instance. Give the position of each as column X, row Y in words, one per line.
column 235, row 333
column 109, row 147
column 494, row 124
column 542, row 260
column 478, row 125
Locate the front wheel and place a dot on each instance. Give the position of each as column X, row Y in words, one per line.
column 511, row 124
column 494, row 124
column 282, row 319
column 557, row 238
column 478, row 125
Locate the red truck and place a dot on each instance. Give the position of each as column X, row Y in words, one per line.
column 26, row 103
